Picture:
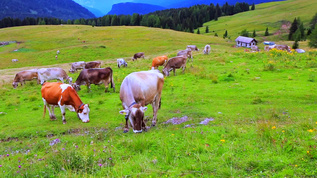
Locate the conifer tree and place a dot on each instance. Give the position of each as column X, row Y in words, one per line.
column 198, row 32
column 253, row 7
column 313, row 38
column 225, row 35
column 293, row 29
column 254, row 34
column 266, row 32
column 207, row 29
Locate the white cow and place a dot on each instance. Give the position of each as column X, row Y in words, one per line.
column 121, row 62
column 45, row 74
column 76, row 66
column 137, row 90
column 15, row 60
column 207, row 49
column 57, row 52
column 192, row 47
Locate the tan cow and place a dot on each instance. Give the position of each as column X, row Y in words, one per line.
column 46, row 74
column 175, row 63
column 26, row 75
column 158, row 61
column 137, row 90
column 192, row 47
column 186, row 53
column 63, row 95
column 93, row 64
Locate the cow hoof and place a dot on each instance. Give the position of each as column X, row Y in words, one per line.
column 153, row 125
column 53, row 118
column 125, row 131
column 64, row 122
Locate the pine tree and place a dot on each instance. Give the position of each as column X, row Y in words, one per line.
column 266, row 32
column 295, row 45
column 313, row 38
column 253, row 7
column 207, row 29
column 293, row 29
column 225, row 35
column 216, row 34
column 198, row 32
column 254, row 34
column 93, row 23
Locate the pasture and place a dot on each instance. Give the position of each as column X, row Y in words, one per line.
column 263, row 107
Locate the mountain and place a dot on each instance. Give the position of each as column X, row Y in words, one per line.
column 62, row 9
column 95, row 11
column 129, row 8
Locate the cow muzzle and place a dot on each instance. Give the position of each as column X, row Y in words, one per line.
column 137, row 131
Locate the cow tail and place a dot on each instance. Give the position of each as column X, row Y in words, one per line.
column 111, row 80
column 44, row 111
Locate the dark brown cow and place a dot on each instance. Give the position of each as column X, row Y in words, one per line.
column 26, row 75
column 174, row 63
column 138, row 55
column 91, row 65
column 95, row 76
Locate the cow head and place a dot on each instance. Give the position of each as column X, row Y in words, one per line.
column 83, row 113
column 15, row 84
column 76, row 86
column 136, row 115
column 166, row 71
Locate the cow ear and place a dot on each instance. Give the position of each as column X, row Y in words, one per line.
column 143, row 109
column 124, row 112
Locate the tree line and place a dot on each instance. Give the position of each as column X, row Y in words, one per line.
column 180, row 19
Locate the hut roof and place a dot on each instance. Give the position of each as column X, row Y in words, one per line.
column 245, row 39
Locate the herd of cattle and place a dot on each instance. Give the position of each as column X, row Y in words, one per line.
column 137, row 90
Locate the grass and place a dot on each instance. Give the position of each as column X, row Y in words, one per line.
column 263, row 106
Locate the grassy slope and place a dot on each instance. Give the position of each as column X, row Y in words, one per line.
column 271, row 15
column 263, row 105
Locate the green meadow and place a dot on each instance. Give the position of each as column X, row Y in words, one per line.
column 263, row 107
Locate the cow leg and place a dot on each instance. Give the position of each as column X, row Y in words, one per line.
column 63, row 113
column 51, row 112
column 106, row 86
column 126, row 127
column 155, row 106
column 174, row 71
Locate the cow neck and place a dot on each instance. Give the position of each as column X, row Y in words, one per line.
column 75, row 100
column 132, row 104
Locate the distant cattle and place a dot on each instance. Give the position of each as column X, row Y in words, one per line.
column 192, row 47
column 57, row 52
column 95, row 76
column 207, row 49
column 121, row 62
column 93, row 64
column 283, row 47
column 186, row 53
column 14, row 60
column 26, row 75
column 175, row 63
column 254, row 48
column 56, row 57
column 45, row 74
column 137, row 90
column 63, row 95
column 77, row 65
column 138, row 55
column 159, row 61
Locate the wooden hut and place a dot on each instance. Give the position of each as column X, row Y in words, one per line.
column 243, row 41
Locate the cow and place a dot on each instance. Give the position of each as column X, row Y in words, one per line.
column 174, row 63
column 121, row 62
column 95, row 76
column 186, row 53
column 14, row 60
column 139, row 89
column 57, row 52
column 26, row 75
column 93, row 64
column 283, row 47
column 56, row 57
column 158, row 61
column 45, row 74
column 76, row 66
column 63, row 95
column 138, row 55
column 254, row 48
column 192, row 47
column 207, row 49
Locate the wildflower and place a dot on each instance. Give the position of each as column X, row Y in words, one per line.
column 100, row 165
column 283, row 131
column 307, row 152
column 295, row 165
column 8, row 155
column 63, row 148
column 222, row 140
column 273, row 127
column 316, row 122
column 0, row 165
column 110, row 158
column 310, row 130
column 76, row 146
column 19, row 166
column 173, row 134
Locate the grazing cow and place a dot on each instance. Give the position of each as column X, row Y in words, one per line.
column 15, row 60
column 186, row 53
column 121, row 62
column 192, row 47
column 57, row 52
column 138, row 55
column 46, row 74
column 26, row 75
column 77, row 65
column 283, row 47
column 95, row 76
column 174, row 63
column 93, row 64
column 266, row 48
column 137, row 90
column 207, row 49
column 56, row 57
column 63, row 95
column 158, row 61
column 255, row 48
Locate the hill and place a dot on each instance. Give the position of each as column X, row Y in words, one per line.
column 130, row 8
column 62, row 9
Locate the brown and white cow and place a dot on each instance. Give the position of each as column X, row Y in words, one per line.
column 121, row 62
column 137, row 90
column 283, row 47
column 255, row 48
column 95, row 76
column 63, row 95
column 174, row 63
column 158, row 61
column 46, row 74
column 186, row 53
column 93, row 64
column 138, row 55
column 26, row 75
column 77, row 66
column 207, row 49
column 192, row 47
